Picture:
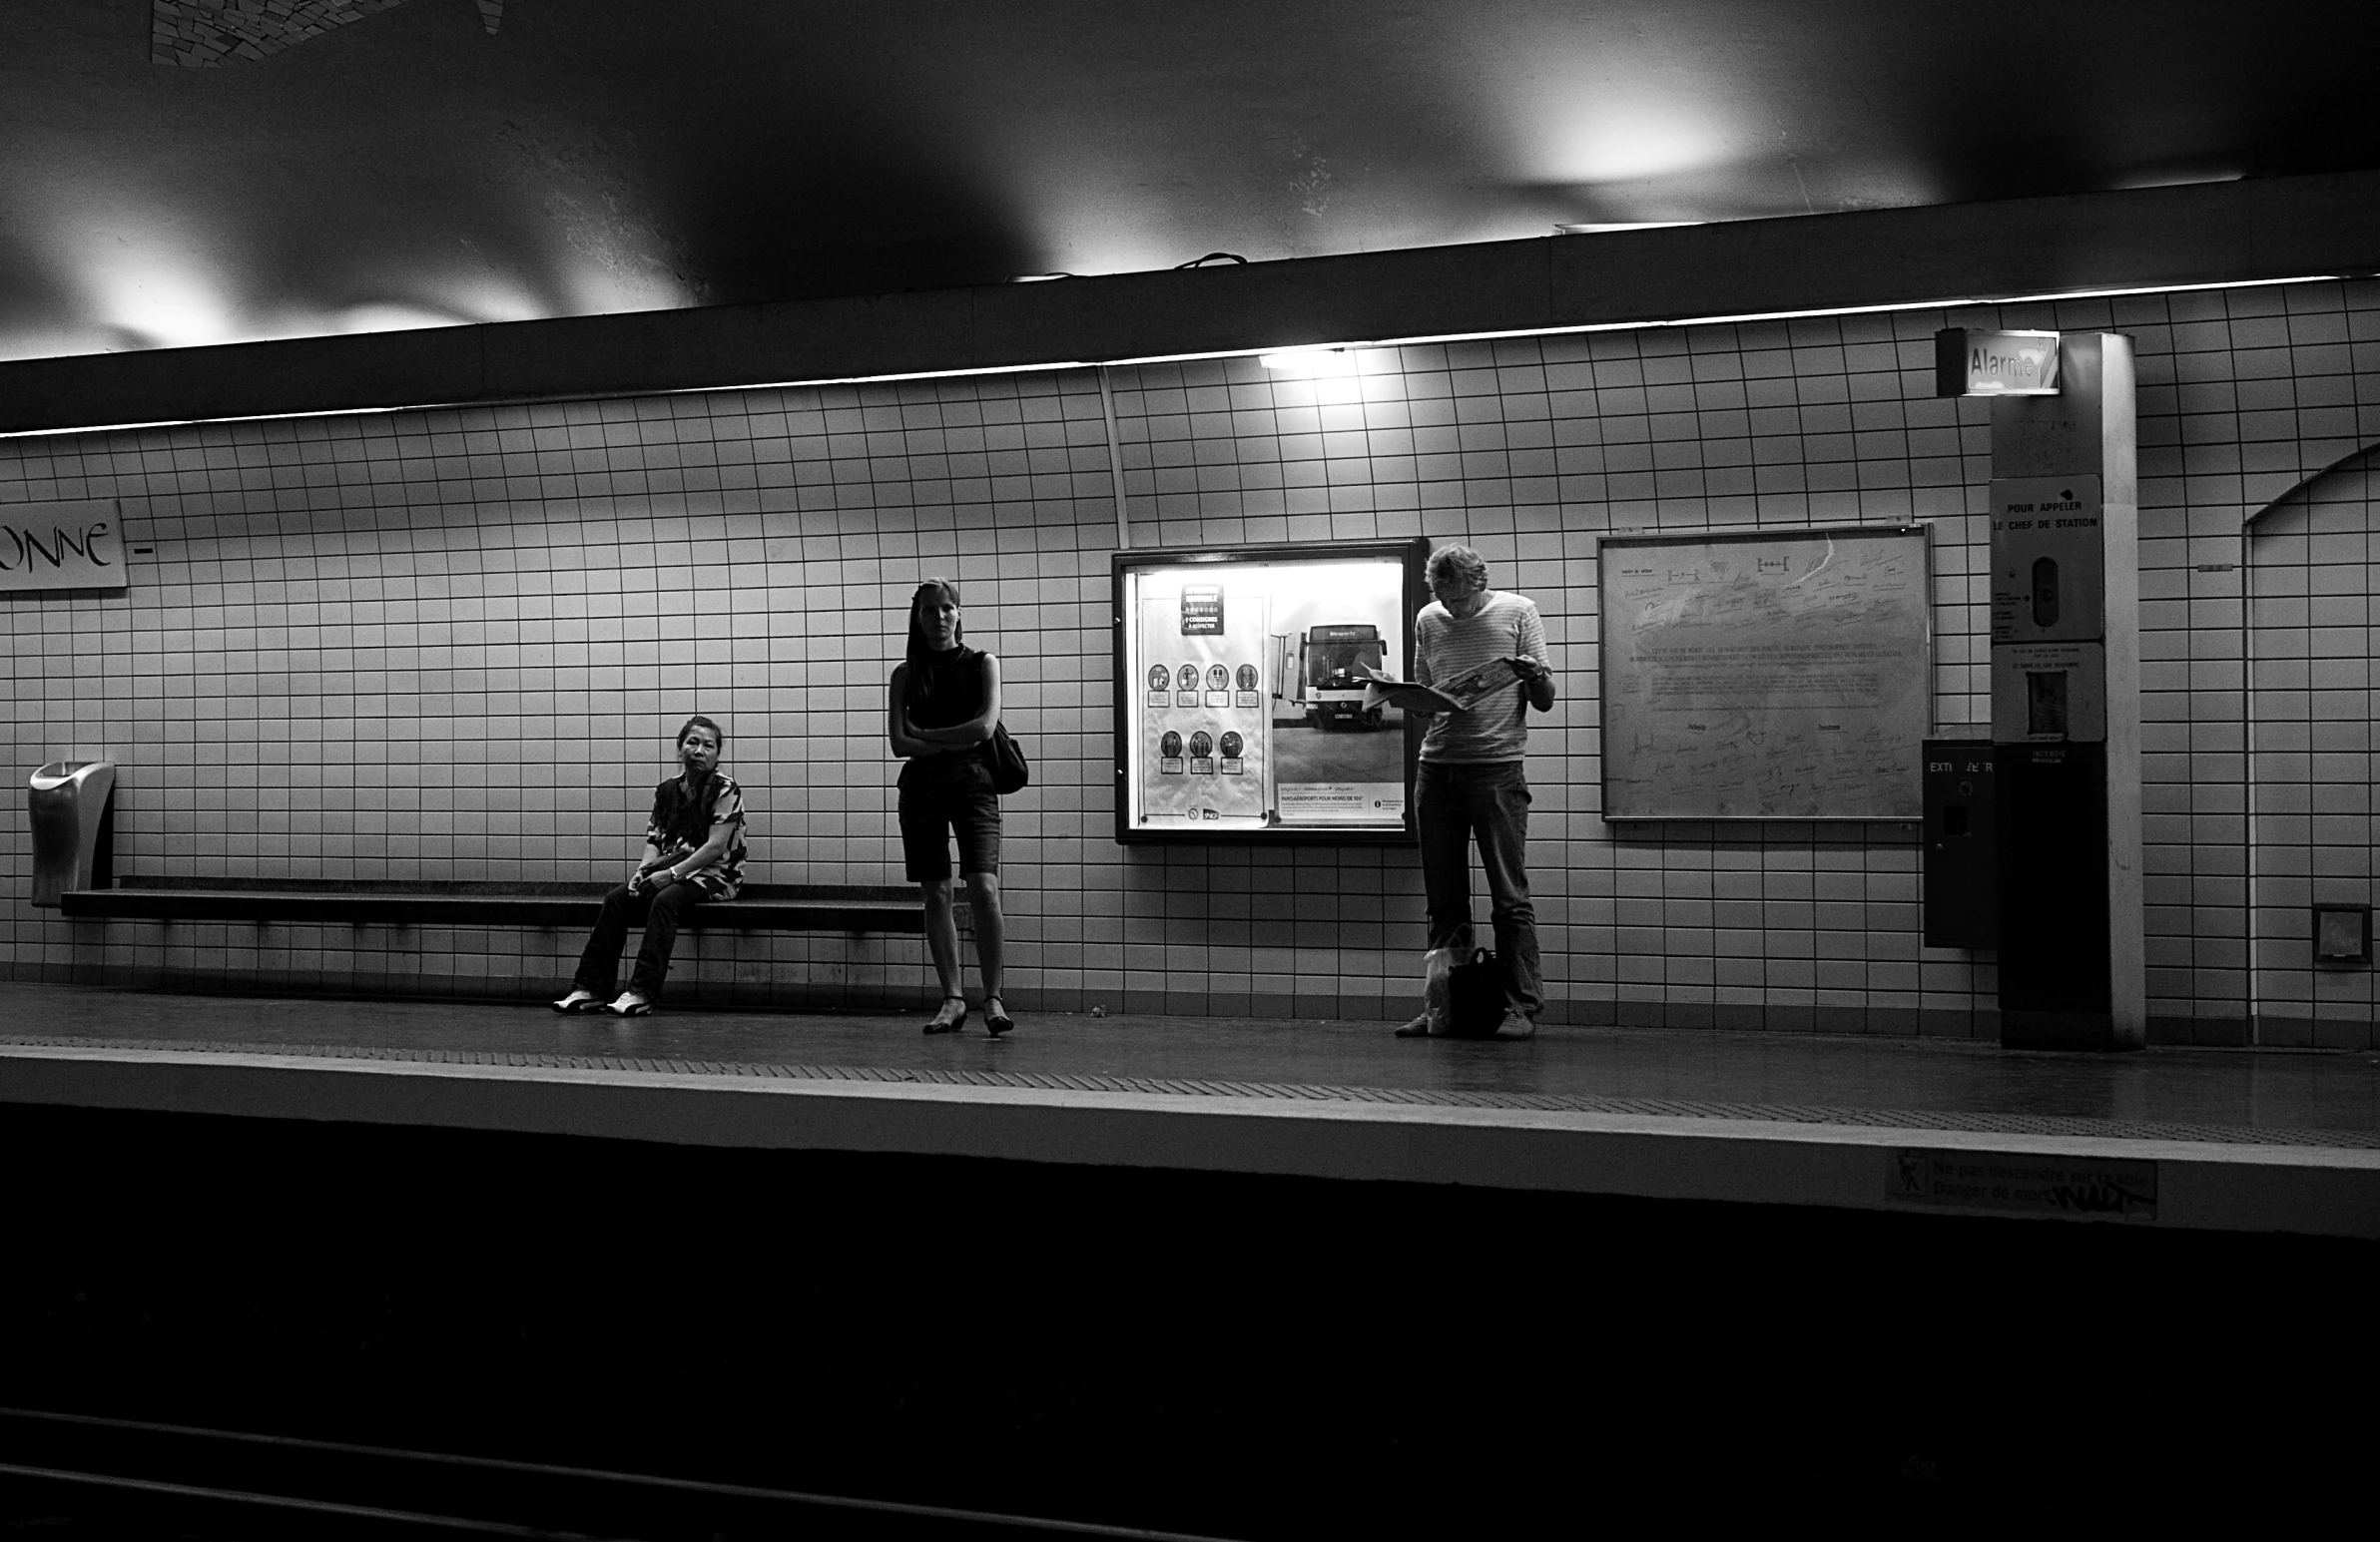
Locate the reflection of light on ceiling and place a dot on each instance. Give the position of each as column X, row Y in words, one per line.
column 462, row 302
column 592, row 285
column 389, row 319
column 486, row 298
column 1615, row 143
column 51, row 341
column 1593, row 228
column 149, row 275
column 159, row 300
column 2176, row 177
column 144, row 272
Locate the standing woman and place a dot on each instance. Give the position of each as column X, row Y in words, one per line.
column 938, row 715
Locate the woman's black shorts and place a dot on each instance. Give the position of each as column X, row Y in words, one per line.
column 941, row 796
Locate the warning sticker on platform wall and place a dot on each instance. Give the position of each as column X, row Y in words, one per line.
column 2013, row 1182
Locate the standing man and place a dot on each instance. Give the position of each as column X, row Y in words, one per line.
column 1471, row 780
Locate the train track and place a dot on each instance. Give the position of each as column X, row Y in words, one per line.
column 76, row 1478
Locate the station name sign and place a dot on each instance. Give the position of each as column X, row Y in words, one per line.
column 1973, row 364
column 45, row 546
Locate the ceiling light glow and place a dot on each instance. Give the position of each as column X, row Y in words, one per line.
column 389, row 318
column 168, row 306
column 1601, row 137
column 1311, row 364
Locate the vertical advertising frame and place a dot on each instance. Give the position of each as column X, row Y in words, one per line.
column 1259, row 731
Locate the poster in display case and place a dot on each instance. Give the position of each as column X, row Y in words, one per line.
column 1241, row 677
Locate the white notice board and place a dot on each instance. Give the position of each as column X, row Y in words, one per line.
column 1766, row 675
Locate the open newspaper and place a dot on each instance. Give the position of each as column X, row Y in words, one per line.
column 1457, row 694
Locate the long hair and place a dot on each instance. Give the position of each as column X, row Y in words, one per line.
column 921, row 677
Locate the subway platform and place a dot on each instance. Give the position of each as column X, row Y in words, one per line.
column 2282, row 1141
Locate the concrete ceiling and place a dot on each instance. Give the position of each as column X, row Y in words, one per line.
column 448, row 160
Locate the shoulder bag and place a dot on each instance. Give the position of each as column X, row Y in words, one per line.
column 1009, row 773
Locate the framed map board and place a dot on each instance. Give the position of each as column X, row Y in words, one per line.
column 1766, row 675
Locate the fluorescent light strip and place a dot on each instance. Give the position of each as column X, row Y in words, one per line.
column 522, row 402
column 252, row 417
column 1053, row 366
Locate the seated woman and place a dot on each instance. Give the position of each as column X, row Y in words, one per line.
column 694, row 850
column 938, row 715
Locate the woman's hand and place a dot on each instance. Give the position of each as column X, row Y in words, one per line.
column 927, row 747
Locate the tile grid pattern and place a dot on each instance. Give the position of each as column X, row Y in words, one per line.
column 201, row 34
column 453, row 644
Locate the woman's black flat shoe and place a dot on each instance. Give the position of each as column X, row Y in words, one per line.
column 951, row 1025
column 997, row 1023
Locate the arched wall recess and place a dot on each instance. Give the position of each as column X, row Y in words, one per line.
column 2315, row 596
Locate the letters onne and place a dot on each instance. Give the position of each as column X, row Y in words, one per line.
column 61, row 546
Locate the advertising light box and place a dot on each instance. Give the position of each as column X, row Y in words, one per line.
column 1241, row 683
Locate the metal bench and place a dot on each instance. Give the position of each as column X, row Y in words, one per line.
column 760, row 906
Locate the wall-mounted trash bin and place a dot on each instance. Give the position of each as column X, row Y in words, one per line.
column 74, row 827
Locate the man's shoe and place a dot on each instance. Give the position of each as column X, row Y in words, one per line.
column 1516, row 1025
column 1418, row 1028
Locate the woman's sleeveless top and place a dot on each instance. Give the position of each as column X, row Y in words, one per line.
column 957, row 695
column 957, row 680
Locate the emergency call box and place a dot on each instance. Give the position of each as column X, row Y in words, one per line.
column 2343, row 935
column 2050, row 692
column 1960, row 888
column 2048, row 560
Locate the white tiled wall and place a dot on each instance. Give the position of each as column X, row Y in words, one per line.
column 454, row 644
column 2310, row 793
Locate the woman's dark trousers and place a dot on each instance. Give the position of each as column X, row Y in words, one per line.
column 660, row 911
